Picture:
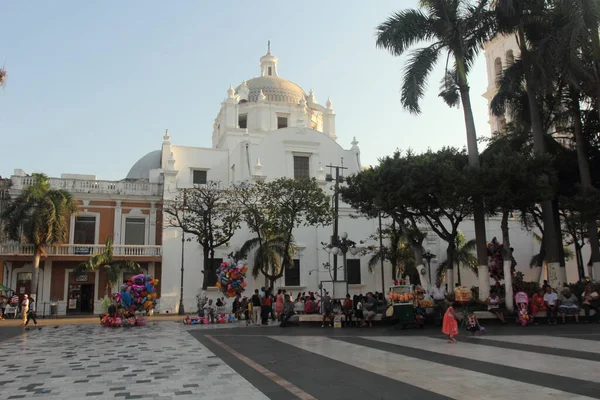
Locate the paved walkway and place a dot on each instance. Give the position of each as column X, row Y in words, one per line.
column 159, row 361
column 167, row 360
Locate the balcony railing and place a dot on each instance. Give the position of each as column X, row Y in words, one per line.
column 18, row 249
column 93, row 186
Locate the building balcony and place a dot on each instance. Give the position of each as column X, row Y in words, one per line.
column 93, row 186
column 81, row 250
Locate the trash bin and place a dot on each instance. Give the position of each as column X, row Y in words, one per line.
column 53, row 310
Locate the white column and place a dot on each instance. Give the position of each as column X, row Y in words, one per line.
column 47, row 281
column 509, row 301
column 117, row 224
column 152, row 225
column 151, row 269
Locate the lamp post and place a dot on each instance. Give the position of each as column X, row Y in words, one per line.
column 429, row 256
column 342, row 246
column 181, row 309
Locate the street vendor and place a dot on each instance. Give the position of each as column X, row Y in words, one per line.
column 439, row 295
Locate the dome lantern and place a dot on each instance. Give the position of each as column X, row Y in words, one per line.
column 268, row 63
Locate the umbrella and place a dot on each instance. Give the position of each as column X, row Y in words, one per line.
column 5, row 288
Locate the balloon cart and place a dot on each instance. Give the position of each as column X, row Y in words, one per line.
column 402, row 298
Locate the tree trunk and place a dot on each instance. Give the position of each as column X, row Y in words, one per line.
column 478, row 212
column 107, row 289
column 458, row 279
column 552, row 242
column 36, row 275
column 450, row 265
column 584, row 172
column 207, row 266
column 507, row 261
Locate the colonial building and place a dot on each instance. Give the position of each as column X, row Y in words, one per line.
column 127, row 211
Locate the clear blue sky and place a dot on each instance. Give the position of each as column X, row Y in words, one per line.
column 92, row 85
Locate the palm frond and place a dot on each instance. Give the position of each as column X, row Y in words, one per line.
column 403, row 30
column 417, row 69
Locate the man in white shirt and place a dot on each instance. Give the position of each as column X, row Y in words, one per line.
column 25, row 308
column 438, row 294
column 551, row 299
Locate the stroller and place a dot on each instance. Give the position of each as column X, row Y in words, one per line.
column 522, row 306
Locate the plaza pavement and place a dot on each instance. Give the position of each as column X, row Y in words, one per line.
column 167, row 360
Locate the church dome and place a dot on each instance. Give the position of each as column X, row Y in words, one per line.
column 141, row 169
column 275, row 89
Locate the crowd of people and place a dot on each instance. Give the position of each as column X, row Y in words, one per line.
column 264, row 305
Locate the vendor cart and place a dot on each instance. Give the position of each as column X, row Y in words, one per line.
column 402, row 299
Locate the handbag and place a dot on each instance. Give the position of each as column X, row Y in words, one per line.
column 389, row 312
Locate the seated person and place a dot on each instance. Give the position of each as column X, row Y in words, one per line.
column 493, row 304
column 288, row 311
column 568, row 305
column 309, row 306
column 551, row 301
column 590, row 300
column 210, row 311
column 537, row 304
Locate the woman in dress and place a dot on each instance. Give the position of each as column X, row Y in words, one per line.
column 449, row 325
column 537, row 304
column 279, row 303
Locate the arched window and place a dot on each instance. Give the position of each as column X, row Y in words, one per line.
column 510, row 57
column 497, row 69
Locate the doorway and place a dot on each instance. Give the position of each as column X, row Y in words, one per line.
column 87, row 299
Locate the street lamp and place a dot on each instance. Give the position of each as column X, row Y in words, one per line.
column 429, row 256
column 181, row 310
column 342, row 246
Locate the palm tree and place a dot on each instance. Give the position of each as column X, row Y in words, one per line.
column 458, row 29
column 463, row 255
column 104, row 262
column 39, row 216
column 529, row 21
column 2, row 77
column 268, row 254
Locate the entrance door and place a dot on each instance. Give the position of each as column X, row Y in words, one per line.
column 87, row 298
column 24, row 284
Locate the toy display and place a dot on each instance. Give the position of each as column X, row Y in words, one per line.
column 137, row 295
column 220, row 319
column 463, row 294
column 231, row 278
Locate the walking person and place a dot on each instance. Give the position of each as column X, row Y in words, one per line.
column 266, row 308
column 449, row 324
column 31, row 313
column 438, row 294
column 327, row 309
column 25, row 308
column 256, row 304
column 279, row 304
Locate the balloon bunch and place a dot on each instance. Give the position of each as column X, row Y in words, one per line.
column 231, row 278
column 136, row 295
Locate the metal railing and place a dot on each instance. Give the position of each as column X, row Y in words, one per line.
column 20, row 249
column 93, row 186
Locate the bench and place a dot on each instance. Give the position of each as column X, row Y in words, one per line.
column 540, row 314
column 319, row 318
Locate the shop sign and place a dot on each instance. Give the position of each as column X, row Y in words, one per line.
column 82, row 250
column 81, row 278
column 72, row 304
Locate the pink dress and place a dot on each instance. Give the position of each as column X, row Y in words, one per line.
column 450, row 326
column 279, row 304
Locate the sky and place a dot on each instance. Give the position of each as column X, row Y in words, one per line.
column 92, row 85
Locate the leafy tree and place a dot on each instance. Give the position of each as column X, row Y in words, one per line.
column 208, row 212
column 364, row 195
column 272, row 210
column 104, row 262
column 463, row 255
column 39, row 216
column 509, row 174
column 458, row 29
column 435, row 188
column 2, row 77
